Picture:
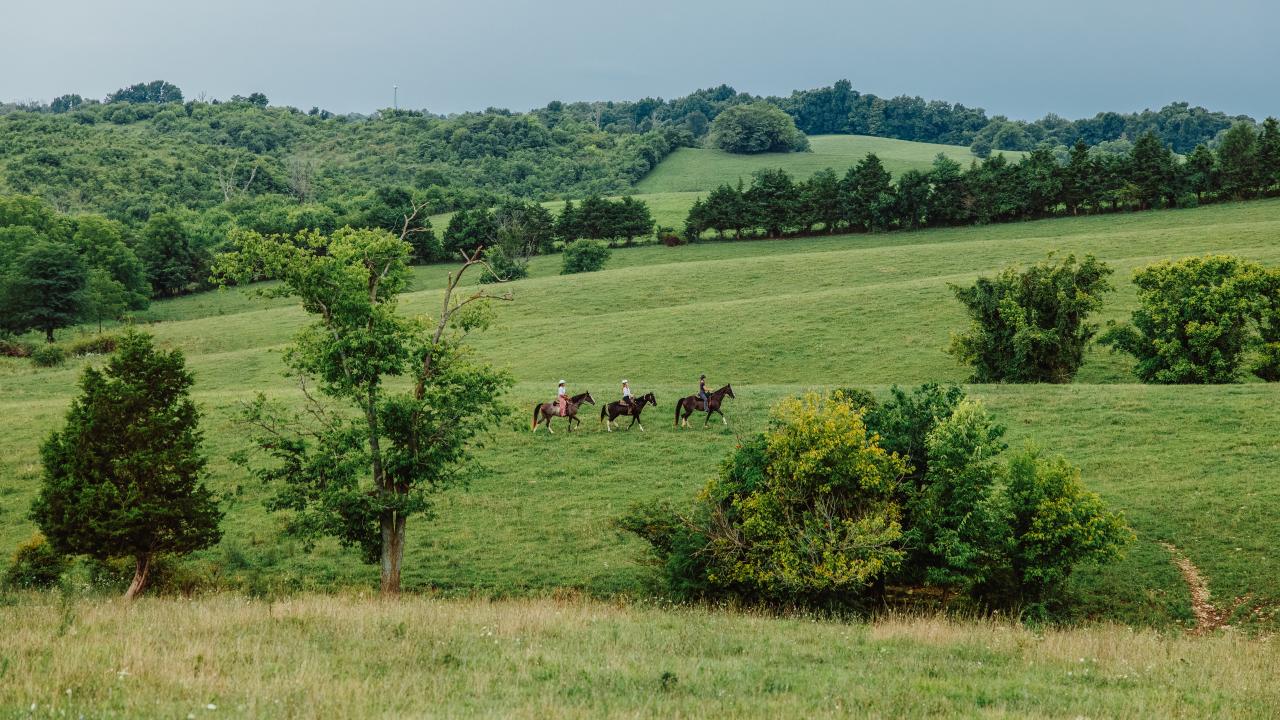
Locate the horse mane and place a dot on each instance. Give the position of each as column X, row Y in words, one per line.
column 578, row 397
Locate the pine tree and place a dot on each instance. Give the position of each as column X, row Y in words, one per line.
column 1238, row 161
column 1201, row 172
column 122, row 477
column 1269, row 155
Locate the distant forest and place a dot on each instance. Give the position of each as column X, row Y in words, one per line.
column 148, row 148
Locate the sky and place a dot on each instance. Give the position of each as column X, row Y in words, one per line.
column 1022, row 59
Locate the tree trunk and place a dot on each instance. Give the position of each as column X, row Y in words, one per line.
column 392, row 551
column 48, row 334
column 142, row 569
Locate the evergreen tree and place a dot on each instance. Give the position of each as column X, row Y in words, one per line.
column 948, row 199
column 1201, row 172
column 821, row 199
column 913, row 198
column 568, row 226
column 122, row 478
column 1269, row 155
column 1238, row 161
column 1079, row 181
column 776, row 200
column 1151, row 170
column 869, row 194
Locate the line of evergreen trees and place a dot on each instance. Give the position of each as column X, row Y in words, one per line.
column 865, row 199
column 596, row 218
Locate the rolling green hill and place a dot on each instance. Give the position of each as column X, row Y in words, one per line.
column 702, row 169
column 1190, row 466
column 688, row 173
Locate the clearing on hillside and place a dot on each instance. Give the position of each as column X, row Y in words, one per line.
column 703, row 169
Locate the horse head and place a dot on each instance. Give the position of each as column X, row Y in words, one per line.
column 649, row 398
column 587, row 398
column 729, row 390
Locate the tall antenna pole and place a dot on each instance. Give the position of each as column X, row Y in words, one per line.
column 395, row 97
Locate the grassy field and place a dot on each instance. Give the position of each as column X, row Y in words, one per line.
column 702, row 169
column 689, row 173
column 1190, row 466
column 354, row 657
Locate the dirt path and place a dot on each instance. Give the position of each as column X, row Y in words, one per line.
column 1209, row 617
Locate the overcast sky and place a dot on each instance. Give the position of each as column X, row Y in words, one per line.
column 1014, row 57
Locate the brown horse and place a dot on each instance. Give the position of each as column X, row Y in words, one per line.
column 693, row 403
column 550, row 410
column 614, row 409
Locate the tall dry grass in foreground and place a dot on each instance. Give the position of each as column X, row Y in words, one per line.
column 353, row 656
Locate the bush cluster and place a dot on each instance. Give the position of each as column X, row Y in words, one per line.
column 1199, row 317
column 585, row 256
column 842, row 496
column 48, row 356
column 36, row 564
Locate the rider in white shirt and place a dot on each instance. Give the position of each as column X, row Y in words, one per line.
column 626, row 395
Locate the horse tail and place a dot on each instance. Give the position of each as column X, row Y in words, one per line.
column 536, row 408
column 679, row 406
column 603, row 410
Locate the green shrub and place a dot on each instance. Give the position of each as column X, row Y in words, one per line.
column 48, row 356
column 864, row 400
column 1196, row 318
column 14, row 348
column 1030, row 325
column 35, row 565
column 817, row 511
column 1053, row 524
column 502, row 267
column 585, row 256
column 94, row 345
column 803, row 513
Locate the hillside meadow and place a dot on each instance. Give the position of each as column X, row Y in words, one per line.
column 1191, row 467
column 689, row 173
column 690, row 169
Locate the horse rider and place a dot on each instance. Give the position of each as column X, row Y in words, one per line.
column 702, row 393
column 626, row 396
column 562, row 399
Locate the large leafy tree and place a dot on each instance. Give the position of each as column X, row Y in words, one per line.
column 172, row 263
column 1195, row 320
column 41, row 290
column 359, row 462
column 1031, row 325
column 756, row 128
column 122, row 477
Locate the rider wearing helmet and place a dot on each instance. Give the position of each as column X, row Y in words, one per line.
column 702, row 392
column 626, row 395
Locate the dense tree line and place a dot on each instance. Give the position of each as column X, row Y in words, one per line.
column 143, row 149
column 865, row 199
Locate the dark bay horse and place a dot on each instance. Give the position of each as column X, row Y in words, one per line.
column 693, row 403
column 550, row 410
column 614, row 409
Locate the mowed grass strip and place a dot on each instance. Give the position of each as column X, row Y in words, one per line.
column 356, row 657
column 1191, row 466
